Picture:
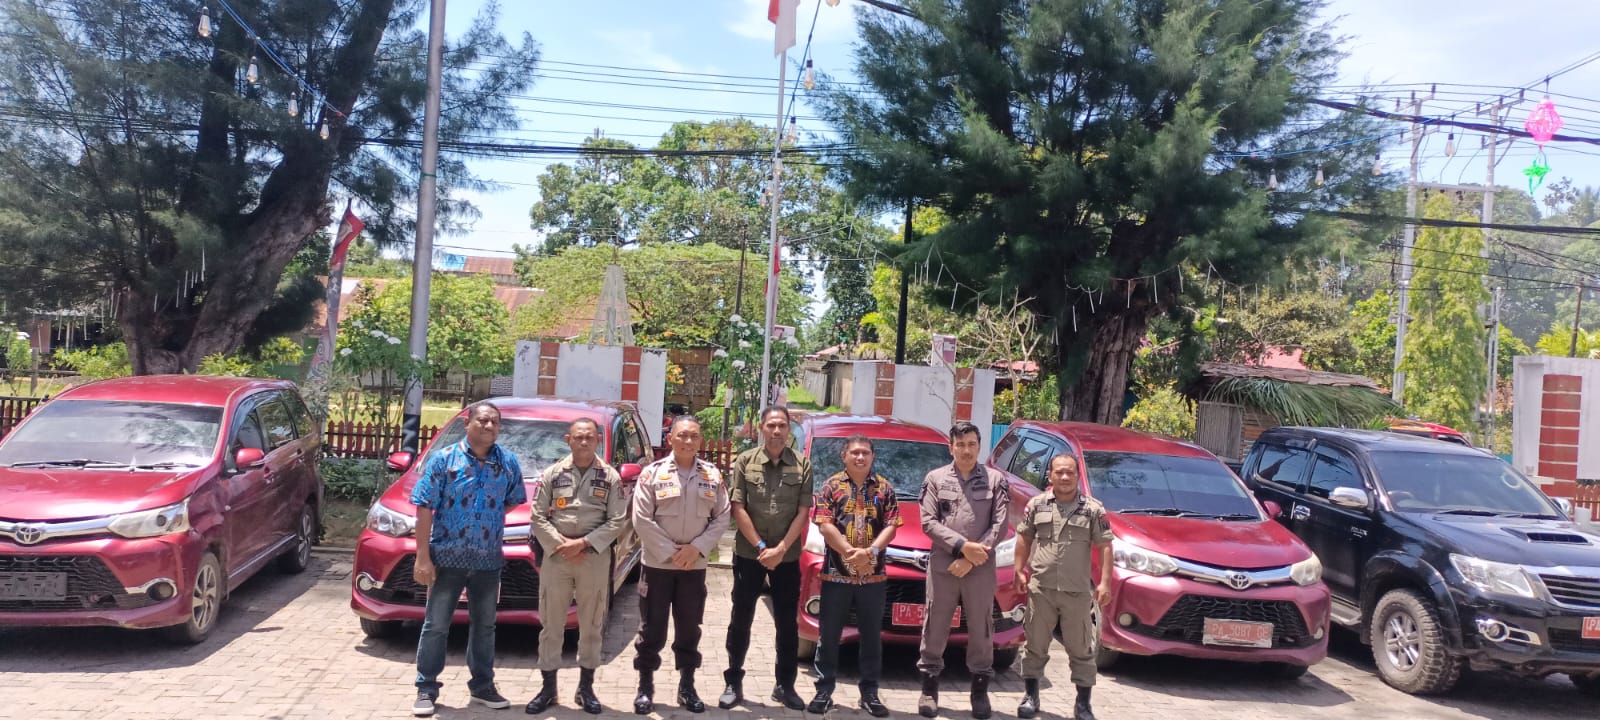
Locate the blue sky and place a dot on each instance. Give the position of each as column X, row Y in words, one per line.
column 1489, row 42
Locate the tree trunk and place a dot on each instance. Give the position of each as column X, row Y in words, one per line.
column 1095, row 382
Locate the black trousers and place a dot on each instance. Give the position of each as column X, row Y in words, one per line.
column 837, row 599
column 750, row 579
column 679, row 595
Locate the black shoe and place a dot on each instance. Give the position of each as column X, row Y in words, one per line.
column 586, row 698
column 423, row 707
column 489, row 698
column 822, row 703
column 546, row 696
column 1080, row 709
column 688, row 699
column 873, row 706
column 644, row 703
column 786, row 696
column 980, row 697
column 928, row 704
column 1030, row 699
column 732, row 695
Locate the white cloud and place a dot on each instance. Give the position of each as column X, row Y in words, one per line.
column 638, row 47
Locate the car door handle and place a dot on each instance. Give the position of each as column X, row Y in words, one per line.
column 1300, row 512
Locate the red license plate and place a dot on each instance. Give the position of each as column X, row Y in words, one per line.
column 1591, row 628
column 912, row 614
column 1237, row 633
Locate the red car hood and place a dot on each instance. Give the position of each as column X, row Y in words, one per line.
column 1225, row 544
column 910, row 535
column 398, row 498
column 48, row 494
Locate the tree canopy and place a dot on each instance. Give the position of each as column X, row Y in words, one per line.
column 1444, row 346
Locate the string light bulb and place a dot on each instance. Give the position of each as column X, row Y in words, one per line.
column 1320, row 178
column 324, row 131
column 811, row 76
column 794, row 131
column 1377, row 165
column 1272, row 180
column 205, row 22
column 252, row 74
column 833, row 3
column 1450, row 145
column 294, row 107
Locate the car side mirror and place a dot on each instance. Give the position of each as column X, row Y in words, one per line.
column 245, row 458
column 630, row 472
column 1565, row 505
column 1274, row 510
column 399, row 461
column 1351, row 498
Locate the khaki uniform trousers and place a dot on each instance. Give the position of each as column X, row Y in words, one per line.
column 1072, row 611
column 589, row 578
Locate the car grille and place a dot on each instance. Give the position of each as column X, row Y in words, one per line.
column 1186, row 619
column 1572, row 641
column 90, row 584
column 1578, row 592
column 915, row 592
column 519, row 585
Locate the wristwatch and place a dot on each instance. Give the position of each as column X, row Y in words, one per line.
column 760, row 546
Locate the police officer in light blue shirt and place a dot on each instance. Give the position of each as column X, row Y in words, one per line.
column 461, row 500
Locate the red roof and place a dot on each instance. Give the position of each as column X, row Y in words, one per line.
column 180, row 389
column 1090, row 437
column 491, row 265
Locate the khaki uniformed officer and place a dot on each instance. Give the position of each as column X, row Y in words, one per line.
column 1056, row 538
column 578, row 511
column 770, row 488
column 680, row 510
column 964, row 509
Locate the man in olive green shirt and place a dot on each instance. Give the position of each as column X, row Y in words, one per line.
column 770, row 489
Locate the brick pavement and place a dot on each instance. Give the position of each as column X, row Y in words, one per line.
column 289, row 648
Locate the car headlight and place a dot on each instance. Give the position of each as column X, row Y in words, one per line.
column 384, row 521
column 1307, row 571
column 1128, row 556
column 814, row 542
column 1494, row 577
column 152, row 523
column 1005, row 552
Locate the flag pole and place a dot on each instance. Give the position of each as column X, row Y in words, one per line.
column 767, row 396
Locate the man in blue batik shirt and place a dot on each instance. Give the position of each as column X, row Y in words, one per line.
column 461, row 500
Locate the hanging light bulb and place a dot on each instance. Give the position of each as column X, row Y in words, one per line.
column 794, row 131
column 833, row 3
column 1377, row 165
column 205, row 22
column 294, row 107
column 811, row 76
column 1320, row 178
column 252, row 74
column 324, row 131
column 1272, row 180
column 1450, row 146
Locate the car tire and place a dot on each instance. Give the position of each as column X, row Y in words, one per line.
column 380, row 629
column 1408, row 645
column 1004, row 658
column 298, row 557
column 205, row 603
column 1288, row 671
column 1587, row 684
column 1105, row 658
column 806, row 650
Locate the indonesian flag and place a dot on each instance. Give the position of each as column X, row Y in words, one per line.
column 786, row 15
column 349, row 229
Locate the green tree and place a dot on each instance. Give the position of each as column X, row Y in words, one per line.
column 467, row 328
column 1558, row 342
column 1084, row 148
column 1372, row 332
column 1444, row 360
column 147, row 155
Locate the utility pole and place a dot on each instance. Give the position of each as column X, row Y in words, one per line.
column 905, row 293
column 1577, row 321
column 1405, row 254
column 1494, row 367
column 422, row 252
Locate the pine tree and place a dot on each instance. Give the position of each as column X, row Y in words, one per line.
column 1444, row 350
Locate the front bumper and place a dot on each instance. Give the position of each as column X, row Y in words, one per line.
column 382, row 587
column 908, row 585
column 1539, row 638
column 1166, row 616
column 111, row 582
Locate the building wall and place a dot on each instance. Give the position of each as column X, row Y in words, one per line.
column 1555, row 425
column 595, row 372
column 934, row 396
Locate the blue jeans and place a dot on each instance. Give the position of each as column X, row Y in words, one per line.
column 482, row 588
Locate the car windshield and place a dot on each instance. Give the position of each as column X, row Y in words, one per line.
column 1469, row 484
column 1167, row 485
column 114, row 433
column 904, row 462
column 536, row 443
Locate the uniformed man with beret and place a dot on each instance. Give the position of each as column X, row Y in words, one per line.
column 578, row 511
column 680, row 510
column 1056, row 538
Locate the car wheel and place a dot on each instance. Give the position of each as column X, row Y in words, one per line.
column 1104, row 657
column 380, row 629
column 205, row 603
column 1004, row 658
column 1587, row 684
column 298, row 558
column 1408, row 645
column 1288, row 671
column 808, row 650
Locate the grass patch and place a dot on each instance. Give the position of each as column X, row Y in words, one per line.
column 342, row 521
column 802, row 400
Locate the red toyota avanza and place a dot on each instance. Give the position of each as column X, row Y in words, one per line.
column 1199, row 568
column 142, row 502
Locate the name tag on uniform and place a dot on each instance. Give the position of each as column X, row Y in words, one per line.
column 667, row 491
column 708, row 490
column 1079, row 521
column 562, row 493
column 599, row 493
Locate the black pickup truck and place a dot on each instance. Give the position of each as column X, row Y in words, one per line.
column 1441, row 557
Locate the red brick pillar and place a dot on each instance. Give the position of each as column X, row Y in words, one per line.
column 883, row 391
column 1558, row 432
column 965, row 379
column 549, row 359
column 630, row 373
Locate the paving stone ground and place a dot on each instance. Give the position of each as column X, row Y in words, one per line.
column 288, row 648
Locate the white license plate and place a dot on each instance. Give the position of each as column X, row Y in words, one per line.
column 1237, row 633
column 33, row 586
column 911, row 615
